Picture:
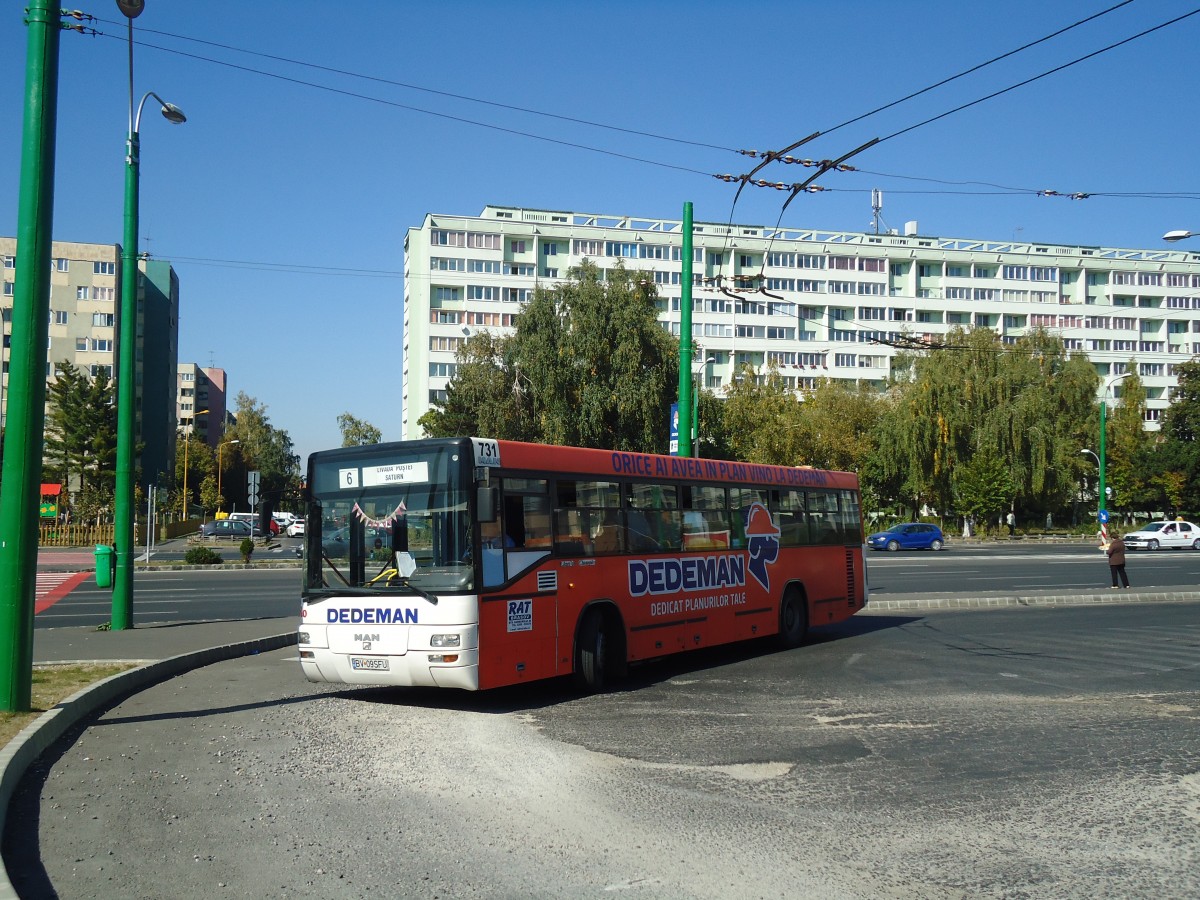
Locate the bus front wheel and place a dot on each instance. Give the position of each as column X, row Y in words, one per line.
column 793, row 619
column 591, row 653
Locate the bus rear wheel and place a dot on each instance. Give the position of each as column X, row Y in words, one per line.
column 793, row 619
column 591, row 653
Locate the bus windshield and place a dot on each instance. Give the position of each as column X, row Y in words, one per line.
column 398, row 524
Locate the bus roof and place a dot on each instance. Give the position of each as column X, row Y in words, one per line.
column 546, row 458
column 625, row 463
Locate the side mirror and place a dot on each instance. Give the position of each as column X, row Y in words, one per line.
column 487, row 499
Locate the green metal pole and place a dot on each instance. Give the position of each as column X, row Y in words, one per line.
column 123, row 537
column 685, row 337
column 22, row 467
column 1103, row 500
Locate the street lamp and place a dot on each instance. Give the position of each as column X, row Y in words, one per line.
column 187, row 434
column 122, row 603
column 1173, row 236
column 221, row 447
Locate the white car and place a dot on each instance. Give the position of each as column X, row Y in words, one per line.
column 296, row 529
column 1168, row 535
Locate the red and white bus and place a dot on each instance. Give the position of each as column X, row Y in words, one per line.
column 476, row 563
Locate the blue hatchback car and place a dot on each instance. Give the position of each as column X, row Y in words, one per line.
column 908, row 536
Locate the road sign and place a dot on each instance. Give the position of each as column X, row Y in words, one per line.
column 252, row 479
column 1104, row 516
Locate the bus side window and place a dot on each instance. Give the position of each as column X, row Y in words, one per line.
column 572, row 537
column 793, row 524
column 608, row 531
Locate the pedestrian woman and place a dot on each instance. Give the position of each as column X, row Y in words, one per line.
column 1116, row 560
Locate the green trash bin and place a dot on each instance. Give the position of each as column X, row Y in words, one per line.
column 104, row 565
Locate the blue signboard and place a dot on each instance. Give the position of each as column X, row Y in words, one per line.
column 674, row 429
column 1104, row 517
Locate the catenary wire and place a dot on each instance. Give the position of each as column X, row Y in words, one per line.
column 427, row 90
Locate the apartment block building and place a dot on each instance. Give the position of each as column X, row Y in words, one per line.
column 818, row 304
column 85, row 288
column 201, row 402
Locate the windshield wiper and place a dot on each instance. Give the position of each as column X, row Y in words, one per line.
column 391, row 575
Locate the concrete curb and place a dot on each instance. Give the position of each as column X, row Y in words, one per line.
column 1011, row 600
column 26, row 747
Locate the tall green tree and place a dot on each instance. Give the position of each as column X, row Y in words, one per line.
column 1127, row 444
column 357, row 432
column 588, row 366
column 1173, row 465
column 81, row 430
column 1027, row 403
column 983, row 485
column 480, row 399
column 762, row 418
column 262, row 448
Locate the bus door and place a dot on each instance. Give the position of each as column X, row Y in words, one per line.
column 518, row 619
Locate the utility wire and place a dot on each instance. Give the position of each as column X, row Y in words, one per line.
column 416, row 87
column 410, row 108
column 1027, row 81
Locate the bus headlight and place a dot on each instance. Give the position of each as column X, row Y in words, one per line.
column 444, row 640
column 302, row 637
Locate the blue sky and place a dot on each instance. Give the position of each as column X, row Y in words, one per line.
column 284, row 206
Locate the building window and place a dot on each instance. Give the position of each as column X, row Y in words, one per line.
column 104, row 268
column 550, row 249
column 102, row 345
column 588, row 248
column 82, row 292
column 81, row 344
column 622, row 249
column 58, row 317
column 8, row 289
column 102, row 293
column 483, row 241
column 101, row 319
column 448, row 238
column 62, row 264
column 447, row 293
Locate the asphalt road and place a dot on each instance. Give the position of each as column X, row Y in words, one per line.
column 973, row 568
column 1031, row 752
column 183, row 595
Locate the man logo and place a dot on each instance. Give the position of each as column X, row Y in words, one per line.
column 762, row 542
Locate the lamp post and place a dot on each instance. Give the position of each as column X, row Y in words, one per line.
column 122, row 603
column 1173, row 236
column 22, row 465
column 187, row 435
column 221, row 447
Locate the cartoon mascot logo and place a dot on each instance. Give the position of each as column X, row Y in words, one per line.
column 762, row 541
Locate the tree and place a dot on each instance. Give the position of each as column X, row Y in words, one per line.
column 1127, row 445
column 983, row 486
column 1029, row 404
column 1173, row 465
column 356, row 432
column 588, row 366
column 479, row 398
column 762, row 415
column 81, row 432
column 201, row 462
column 262, row 448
